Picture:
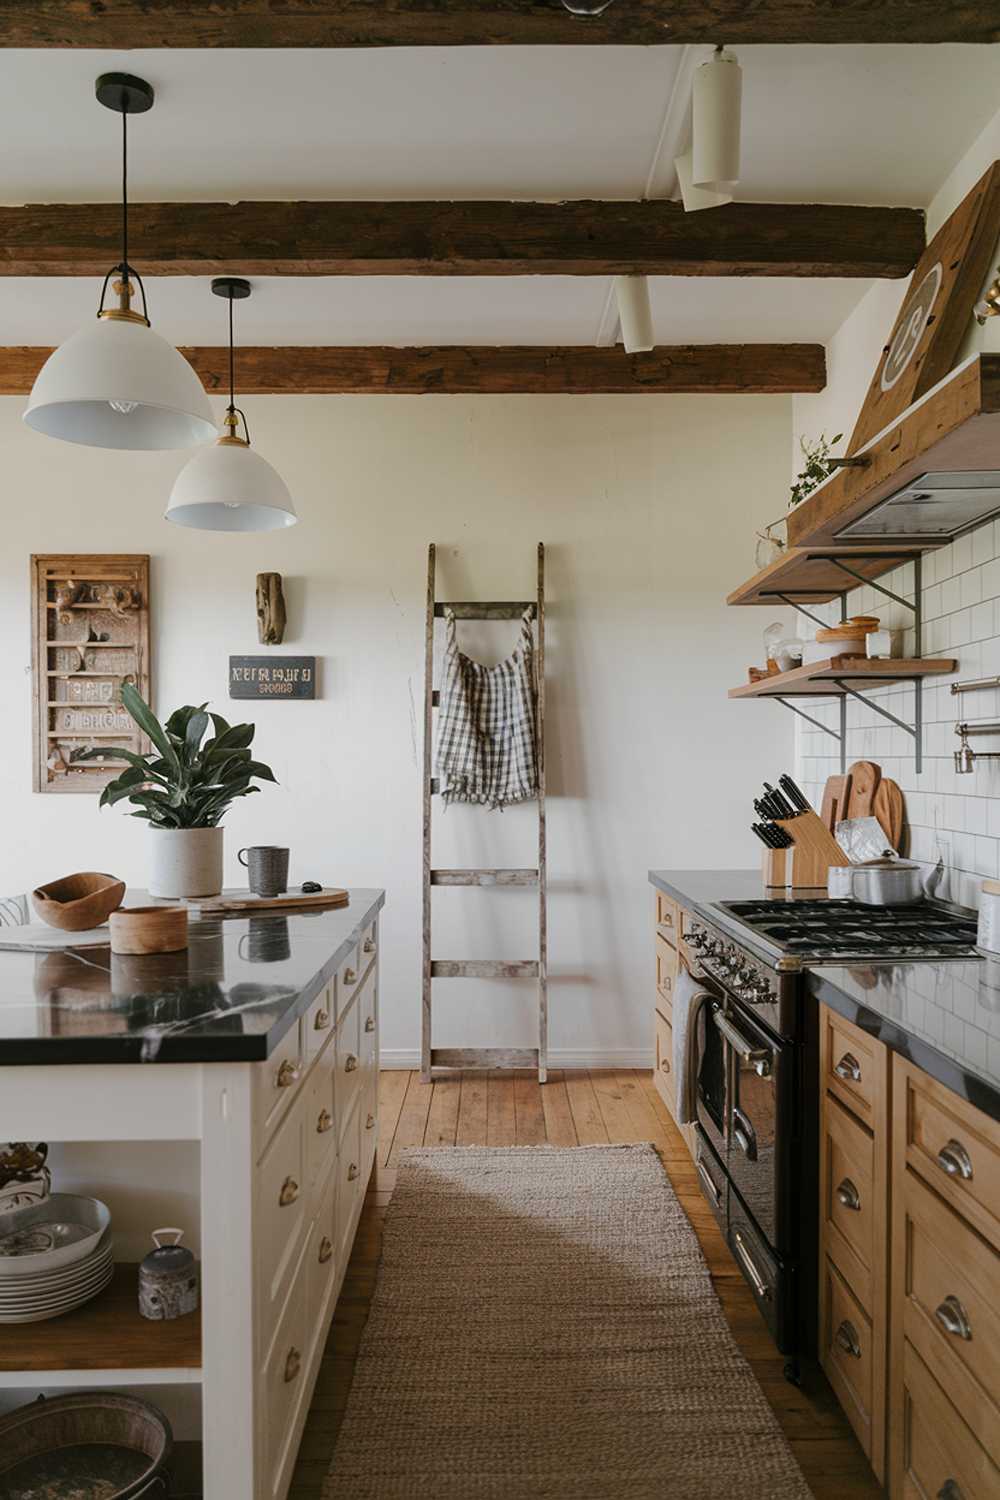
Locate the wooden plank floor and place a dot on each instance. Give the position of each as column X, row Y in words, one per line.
column 573, row 1108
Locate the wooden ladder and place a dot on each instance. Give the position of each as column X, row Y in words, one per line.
column 484, row 1057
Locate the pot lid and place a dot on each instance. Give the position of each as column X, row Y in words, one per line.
column 887, row 863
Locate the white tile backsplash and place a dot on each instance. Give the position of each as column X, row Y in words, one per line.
column 951, row 816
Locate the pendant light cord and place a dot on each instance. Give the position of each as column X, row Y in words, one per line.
column 125, row 193
column 235, row 410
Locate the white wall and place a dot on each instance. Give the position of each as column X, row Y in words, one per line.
column 648, row 507
column 952, row 816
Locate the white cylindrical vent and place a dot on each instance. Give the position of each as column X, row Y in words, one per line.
column 715, row 122
column 633, row 313
column 693, row 197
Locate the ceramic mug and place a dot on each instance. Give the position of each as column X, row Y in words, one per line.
column 267, row 867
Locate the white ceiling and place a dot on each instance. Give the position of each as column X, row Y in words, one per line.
column 855, row 124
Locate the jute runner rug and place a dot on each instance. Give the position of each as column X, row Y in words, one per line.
column 544, row 1325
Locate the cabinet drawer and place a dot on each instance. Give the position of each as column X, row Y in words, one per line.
column 950, row 1316
column 276, row 1084
column 368, row 1126
column 321, row 1119
column 846, row 1350
column 348, row 1060
column 952, row 1146
column 937, row 1455
column 849, row 1211
column 369, row 944
column 318, row 1022
column 666, row 967
column 668, row 916
column 348, row 977
column 283, row 1382
column 281, row 1202
column 854, row 1067
column 663, row 1074
column 322, row 1262
column 351, row 1185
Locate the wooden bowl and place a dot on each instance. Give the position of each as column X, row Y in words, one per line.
column 79, row 902
column 149, row 929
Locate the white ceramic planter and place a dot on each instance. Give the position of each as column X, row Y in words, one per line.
column 185, row 861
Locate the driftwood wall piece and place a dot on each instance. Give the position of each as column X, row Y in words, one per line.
column 90, row 634
column 270, row 609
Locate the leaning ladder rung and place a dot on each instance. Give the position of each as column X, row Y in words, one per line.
column 484, row 877
column 484, row 968
column 497, row 610
column 484, row 1057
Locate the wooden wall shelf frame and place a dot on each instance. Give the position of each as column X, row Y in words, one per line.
column 817, row 575
column 955, row 426
column 90, row 627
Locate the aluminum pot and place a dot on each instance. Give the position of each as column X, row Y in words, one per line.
column 887, row 882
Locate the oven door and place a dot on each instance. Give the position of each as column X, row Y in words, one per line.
column 712, row 1092
column 755, row 1078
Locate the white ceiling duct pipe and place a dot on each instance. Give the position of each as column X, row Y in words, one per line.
column 693, row 197
column 716, row 99
column 634, row 315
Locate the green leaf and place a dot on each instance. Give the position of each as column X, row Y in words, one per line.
column 257, row 768
column 197, row 724
column 149, row 723
column 236, row 738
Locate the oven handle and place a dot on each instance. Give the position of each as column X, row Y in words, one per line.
column 757, row 1281
column 758, row 1058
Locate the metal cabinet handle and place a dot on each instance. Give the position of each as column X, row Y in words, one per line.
column 848, row 1194
column 955, row 1160
column 370, row 1023
column 352, row 1172
column 369, row 945
column 324, row 1122
column 293, row 1365
column 350, row 976
column 953, row 1318
column 848, row 1068
column 325, row 1250
column 370, row 1122
column 714, row 1192
column 288, row 1074
column 949, row 1491
column 350, row 1063
column 760, row 1286
column 847, row 1337
column 758, row 1058
column 322, row 1020
column 289, row 1192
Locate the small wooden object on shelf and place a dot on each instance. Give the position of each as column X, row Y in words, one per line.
column 149, row 929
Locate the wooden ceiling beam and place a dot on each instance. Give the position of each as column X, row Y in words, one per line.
column 699, row 369
column 417, row 23
column 577, row 238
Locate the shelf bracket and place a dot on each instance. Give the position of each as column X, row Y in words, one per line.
column 777, row 594
column 840, row 735
column 914, row 730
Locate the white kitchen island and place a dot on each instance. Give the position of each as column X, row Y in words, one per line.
column 237, row 1081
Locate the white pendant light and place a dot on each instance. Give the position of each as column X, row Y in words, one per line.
column 634, row 314
column 116, row 383
column 695, row 198
column 716, row 99
column 228, row 487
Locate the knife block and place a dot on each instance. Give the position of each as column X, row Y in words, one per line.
column 776, row 868
column 813, row 851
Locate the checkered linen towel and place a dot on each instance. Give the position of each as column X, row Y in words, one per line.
column 486, row 749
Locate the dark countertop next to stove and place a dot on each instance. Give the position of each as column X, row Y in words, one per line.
column 229, row 997
column 944, row 1017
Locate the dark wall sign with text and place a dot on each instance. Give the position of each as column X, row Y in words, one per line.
column 272, row 677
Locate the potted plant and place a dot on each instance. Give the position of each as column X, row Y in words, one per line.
column 816, row 468
column 183, row 787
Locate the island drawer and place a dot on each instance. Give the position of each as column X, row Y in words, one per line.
column 319, row 1020
column 348, row 1060
column 953, row 1146
column 854, row 1066
column 348, row 978
column 936, row 1454
column 322, row 1261
column 276, row 1083
column 321, row 1118
column 846, row 1352
column 369, row 943
column 368, row 1121
column 849, row 1203
column 352, row 1181
column 949, row 1295
column 283, row 1382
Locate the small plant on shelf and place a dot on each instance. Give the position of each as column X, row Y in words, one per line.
column 817, row 466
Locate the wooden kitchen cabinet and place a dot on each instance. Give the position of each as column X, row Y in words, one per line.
column 671, row 955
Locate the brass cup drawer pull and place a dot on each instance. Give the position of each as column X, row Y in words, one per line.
column 352, row 1172
column 848, row 1068
column 953, row 1318
column 325, row 1250
column 848, row 1195
column 847, row 1338
column 350, row 976
column 289, row 1192
column 293, row 1364
column 350, row 1063
column 370, row 1123
column 369, row 945
column 370, row 1023
column 288, row 1074
column 664, row 1065
column 955, row 1160
column 322, row 1021
column 324, row 1122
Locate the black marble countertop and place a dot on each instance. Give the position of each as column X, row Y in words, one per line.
column 945, row 1017
column 229, row 997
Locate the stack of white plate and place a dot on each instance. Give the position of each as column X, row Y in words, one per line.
column 54, row 1257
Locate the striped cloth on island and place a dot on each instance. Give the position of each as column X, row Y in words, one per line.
column 486, row 748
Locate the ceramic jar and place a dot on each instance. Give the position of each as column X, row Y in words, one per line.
column 168, row 1279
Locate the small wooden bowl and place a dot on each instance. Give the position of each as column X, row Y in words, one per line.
column 149, row 929
column 79, row 902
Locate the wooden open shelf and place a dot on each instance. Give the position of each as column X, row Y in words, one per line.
column 106, row 1334
column 809, row 575
column 819, row 678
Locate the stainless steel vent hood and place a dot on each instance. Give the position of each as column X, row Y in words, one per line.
column 931, row 507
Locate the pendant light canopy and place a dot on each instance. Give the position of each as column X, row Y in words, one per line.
column 228, row 487
column 716, row 102
column 116, row 383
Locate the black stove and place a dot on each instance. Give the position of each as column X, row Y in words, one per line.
column 825, row 930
